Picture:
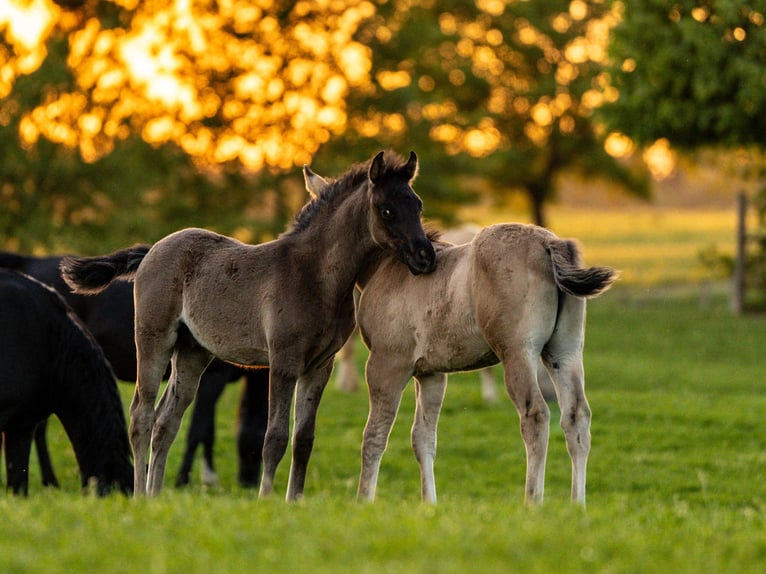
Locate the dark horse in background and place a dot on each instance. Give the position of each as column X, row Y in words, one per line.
column 50, row 364
column 109, row 317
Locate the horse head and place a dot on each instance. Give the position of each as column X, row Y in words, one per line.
column 395, row 209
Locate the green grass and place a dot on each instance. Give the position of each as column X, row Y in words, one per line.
column 675, row 480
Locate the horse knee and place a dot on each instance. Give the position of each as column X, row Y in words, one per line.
column 302, row 447
column 275, row 443
column 535, row 421
column 575, row 422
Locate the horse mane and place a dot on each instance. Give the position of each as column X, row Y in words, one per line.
column 339, row 188
column 433, row 234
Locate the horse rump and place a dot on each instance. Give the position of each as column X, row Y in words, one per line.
column 91, row 275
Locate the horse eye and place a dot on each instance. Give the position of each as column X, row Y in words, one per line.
column 386, row 213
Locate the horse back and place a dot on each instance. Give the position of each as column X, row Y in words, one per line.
column 234, row 298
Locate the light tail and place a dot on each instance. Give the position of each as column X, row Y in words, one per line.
column 91, row 275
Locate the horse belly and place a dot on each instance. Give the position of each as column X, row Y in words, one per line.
column 231, row 338
column 451, row 342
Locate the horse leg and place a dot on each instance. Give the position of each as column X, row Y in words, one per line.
column 488, row 391
column 386, row 383
column 17, row 443
column 521, row 384
column 429, row 393
column 142, row 415
column 43, row 455
column 188, row 364
column 308, row 396
column 202, row 431
column 281, row 390
column 575, row 420
column 348, row 381
column 251, row 425
column 564, row 361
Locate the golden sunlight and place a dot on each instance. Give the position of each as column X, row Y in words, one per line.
column 26, row 26
column 660, row 159
column 618, row 145
column 276, row 87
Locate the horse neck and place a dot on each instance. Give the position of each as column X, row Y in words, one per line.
column 370, row 268
column 347, row 244
column 88, row 404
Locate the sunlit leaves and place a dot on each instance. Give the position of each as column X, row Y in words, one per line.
column 231, row 81
column 25, row 25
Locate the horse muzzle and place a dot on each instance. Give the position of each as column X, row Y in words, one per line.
column 420, row 258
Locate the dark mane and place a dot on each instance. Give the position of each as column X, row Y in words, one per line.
column 339, row 188
column 433, row 233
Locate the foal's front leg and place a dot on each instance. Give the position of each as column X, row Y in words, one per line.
column 281, row 390
column 429, row 390
column 386, row 382
column 309, row 393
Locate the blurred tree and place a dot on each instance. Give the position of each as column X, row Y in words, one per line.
column 507, row 90
column 164, row 112
column 697, row 78
column 125, row 118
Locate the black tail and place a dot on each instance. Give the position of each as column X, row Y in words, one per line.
column 571, row 277
column 91, row 275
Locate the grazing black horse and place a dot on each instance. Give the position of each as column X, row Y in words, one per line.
column 50, row 364
column 109, row 317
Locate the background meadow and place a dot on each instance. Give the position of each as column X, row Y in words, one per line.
column 675, row 475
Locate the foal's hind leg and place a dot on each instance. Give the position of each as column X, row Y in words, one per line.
column 520, row 368
column 429, row 390
column 564, row 361
column 150, row 372
column 568, row 378
column 309, row 393
column 386, row 381
column 189, row 362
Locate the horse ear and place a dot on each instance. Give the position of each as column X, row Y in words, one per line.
column 316, row 185
column 376, row 167
column 412, row 166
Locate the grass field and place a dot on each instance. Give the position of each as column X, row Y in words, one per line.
column 675, row 479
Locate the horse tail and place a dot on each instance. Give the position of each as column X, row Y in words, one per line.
column 570, row 275
column 91, row 275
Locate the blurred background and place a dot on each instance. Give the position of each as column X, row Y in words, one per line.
column 633, row 126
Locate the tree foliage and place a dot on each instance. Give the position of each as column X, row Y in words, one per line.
column 503, row 91
column 127, row 118
column 690, row 72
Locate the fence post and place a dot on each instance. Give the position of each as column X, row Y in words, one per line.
column 740, row 261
